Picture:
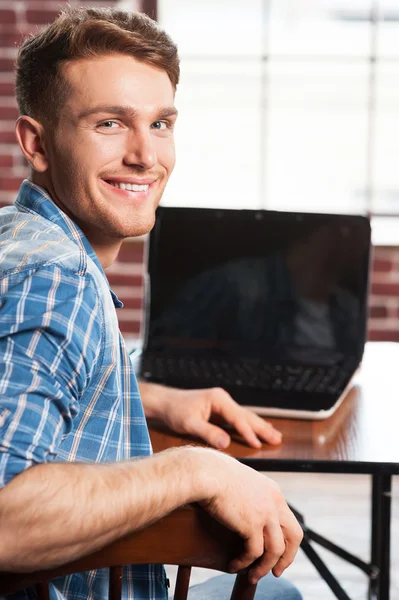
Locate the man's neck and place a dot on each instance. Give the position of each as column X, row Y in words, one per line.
column 106, row 254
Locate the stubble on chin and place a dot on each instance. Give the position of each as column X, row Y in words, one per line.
column 134, row 225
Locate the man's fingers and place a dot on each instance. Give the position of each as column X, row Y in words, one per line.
column 274, row 544
column 249, row 425
column 224, row 406
column 275, row 553
column 246, row 431
column 292, row 542
column 212, row 434
column 265, row 430
column 284, row 561
column 254, row 548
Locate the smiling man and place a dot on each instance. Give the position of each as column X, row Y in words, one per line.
column 96, row 96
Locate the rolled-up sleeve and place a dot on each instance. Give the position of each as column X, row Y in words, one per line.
column 50, row 340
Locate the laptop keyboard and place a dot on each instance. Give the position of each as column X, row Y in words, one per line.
column 252, row 373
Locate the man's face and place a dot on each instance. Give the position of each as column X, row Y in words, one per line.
column 112, row 151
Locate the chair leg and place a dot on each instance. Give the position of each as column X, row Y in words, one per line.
column 42, row 591
column 182, row 583
column 243, row 589
column 115, row 583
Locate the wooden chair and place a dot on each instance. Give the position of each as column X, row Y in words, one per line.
column 188, row 537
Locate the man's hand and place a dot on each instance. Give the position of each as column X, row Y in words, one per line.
column 251, row 504
column 190, row 412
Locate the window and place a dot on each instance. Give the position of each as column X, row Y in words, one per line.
column 287, row 104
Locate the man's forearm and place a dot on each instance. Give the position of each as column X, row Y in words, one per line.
column 153, row 396
column 56, row 512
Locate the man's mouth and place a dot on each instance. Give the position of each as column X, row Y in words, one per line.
column 130, row 187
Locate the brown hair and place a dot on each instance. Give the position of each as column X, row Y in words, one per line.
column 85, row 32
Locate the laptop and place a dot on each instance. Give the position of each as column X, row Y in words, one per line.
column 271, row 306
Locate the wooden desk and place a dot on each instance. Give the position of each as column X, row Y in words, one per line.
column 361, row 437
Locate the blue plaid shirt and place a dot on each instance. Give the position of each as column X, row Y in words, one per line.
column 67, row 387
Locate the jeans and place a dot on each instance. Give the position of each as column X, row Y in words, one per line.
column 269, row 588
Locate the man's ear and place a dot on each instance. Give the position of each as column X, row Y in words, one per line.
column 30, row 137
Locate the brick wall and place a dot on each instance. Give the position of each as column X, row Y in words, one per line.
column 384, row 295
column 18, row 18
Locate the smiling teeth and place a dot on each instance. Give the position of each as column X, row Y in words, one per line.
column 130, row 187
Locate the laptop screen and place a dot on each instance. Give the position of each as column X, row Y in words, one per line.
column 258, row 282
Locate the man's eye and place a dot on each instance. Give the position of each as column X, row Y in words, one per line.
column 109, row 124
column 161, row 125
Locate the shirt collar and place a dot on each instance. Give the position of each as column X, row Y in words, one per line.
column 33, row 198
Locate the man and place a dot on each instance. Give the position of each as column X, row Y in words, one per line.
column 96, row 96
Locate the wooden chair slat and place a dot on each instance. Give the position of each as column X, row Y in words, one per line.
column 182, row 583
column 188, row 537
column 115, row 583
column 42, row 591
column 243, row 589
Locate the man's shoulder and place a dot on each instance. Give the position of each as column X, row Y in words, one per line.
column 28, row 240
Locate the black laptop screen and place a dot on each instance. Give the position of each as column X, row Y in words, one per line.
column 258, row 281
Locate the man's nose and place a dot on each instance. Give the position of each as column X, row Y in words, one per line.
column 140, row 151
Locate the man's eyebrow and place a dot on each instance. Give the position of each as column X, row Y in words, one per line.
column 161, row 113
column 168, row 111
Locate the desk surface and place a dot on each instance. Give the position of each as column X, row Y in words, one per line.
column 361, row 437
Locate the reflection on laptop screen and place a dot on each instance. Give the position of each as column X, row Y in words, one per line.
column 258, row 281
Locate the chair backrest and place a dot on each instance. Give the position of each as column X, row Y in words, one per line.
column 188, row 537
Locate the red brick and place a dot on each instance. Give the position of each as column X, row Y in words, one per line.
column 9, row 39
column 7, row 65
column 7, row 88
column 136, row 303
column 9, row 112
column 378, row 312
column 131, row 252
column 385, row 289
column 375, row 335
column 381, row 265
column 20, row 160
column 124, row 279
column 130, row 327
column 7, row 17
column 9, row 184
column 8, row 137
column 6, row 160
column 41, row 17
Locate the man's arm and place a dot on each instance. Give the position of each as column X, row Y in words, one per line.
column 53, row 513
column 50, row 350
column 190, row 412
column 56, row 512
